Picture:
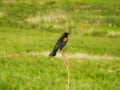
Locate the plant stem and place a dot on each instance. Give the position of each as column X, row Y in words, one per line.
column 67, row 67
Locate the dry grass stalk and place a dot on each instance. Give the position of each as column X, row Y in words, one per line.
column 67, row 67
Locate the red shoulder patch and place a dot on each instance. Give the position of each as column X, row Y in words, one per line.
column 65, row 39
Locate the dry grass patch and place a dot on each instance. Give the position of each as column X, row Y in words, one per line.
column 8, row 1
column 77, row 55
column 54, row 16
column 113, row 33
column 1, row 14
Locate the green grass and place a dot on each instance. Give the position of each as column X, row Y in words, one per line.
column 58, row 1
column 40, row 73
column 22, row 71
column 23, row 40
column 27, row 27
column 60, row 16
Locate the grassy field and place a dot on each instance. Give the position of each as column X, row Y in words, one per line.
column 29, row 28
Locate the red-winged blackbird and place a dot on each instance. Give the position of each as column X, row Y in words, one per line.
column 60, row 44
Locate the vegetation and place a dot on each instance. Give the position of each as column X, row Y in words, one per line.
column 31, row 27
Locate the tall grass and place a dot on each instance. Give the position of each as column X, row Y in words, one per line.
column 24, row 40
column 39, row 73
column 59, row 16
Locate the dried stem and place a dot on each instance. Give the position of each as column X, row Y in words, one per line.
column 67, row 67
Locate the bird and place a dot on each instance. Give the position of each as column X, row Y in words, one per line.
column 61, row 42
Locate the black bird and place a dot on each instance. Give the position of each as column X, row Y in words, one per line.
column 61, row 42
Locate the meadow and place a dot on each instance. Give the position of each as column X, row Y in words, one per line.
column 29, row 30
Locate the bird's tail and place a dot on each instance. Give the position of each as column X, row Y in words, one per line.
column 53, row 53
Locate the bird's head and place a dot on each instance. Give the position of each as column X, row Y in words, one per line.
column 66, row 34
